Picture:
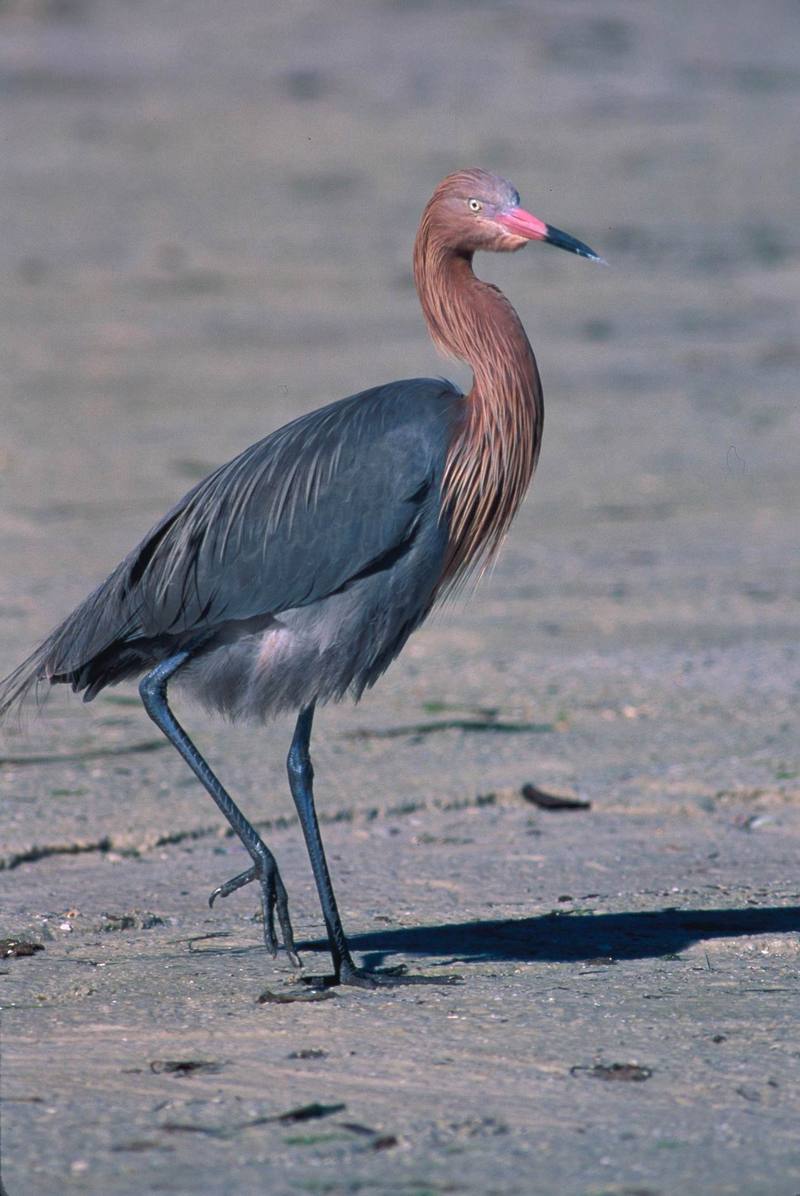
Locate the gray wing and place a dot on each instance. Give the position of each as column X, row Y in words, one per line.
column 330, row 497
column 298, row 515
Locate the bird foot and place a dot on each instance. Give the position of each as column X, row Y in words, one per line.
column 385, row 978
column 274, row 899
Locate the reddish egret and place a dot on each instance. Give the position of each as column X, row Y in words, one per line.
column 296, row 572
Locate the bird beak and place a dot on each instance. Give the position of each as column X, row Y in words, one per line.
column 520, row 223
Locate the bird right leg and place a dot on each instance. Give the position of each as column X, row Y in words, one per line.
column 153, row 690
column 301, row 782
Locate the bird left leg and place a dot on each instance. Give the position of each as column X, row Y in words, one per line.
column 153, row 690
column 301, row 778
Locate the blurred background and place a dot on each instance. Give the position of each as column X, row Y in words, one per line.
column 208, row 213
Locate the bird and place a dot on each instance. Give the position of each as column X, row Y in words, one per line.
column 294, row 574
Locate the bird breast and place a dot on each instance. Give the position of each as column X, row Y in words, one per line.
column 319, row 652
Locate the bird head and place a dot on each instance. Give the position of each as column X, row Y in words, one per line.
column 475, row 210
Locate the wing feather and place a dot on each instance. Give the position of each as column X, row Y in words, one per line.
column 326, row 499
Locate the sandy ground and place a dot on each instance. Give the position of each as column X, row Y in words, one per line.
column 208, row 212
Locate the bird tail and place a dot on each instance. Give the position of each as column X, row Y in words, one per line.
column 90, row 649
column 24, row 682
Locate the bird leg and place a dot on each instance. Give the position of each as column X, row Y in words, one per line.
column 153, row 690
column 301, row 777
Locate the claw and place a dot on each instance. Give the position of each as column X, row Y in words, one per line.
column 387, row 978
column 282, row 907
column 230, row 886
column 273, row 898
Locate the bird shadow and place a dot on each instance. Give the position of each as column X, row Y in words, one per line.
column 566, row 937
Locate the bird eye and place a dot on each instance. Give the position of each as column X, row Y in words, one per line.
column 474, row 205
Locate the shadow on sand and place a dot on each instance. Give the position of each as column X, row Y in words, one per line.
column 568, row 937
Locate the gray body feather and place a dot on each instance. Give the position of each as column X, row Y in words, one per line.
column 294, row 573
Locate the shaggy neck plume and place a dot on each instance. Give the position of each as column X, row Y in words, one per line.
column 493, row 455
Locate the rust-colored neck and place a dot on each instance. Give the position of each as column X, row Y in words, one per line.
column 493, row 455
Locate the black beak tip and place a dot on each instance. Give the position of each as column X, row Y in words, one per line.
column 563, row 240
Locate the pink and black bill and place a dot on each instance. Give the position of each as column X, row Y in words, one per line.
column 524, row 224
